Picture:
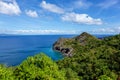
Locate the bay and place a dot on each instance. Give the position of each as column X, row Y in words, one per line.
column 16, row 48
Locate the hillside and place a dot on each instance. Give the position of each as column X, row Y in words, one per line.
column 87, row 58
column 93, row 59
column 67, row 46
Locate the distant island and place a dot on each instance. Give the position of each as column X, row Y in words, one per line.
column 86, row 58
column 6, row 34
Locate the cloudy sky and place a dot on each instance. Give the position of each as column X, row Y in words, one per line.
column 59, row 16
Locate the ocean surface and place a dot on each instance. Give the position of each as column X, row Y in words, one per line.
column 16, row 48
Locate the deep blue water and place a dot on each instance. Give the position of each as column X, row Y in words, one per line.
column 15, row 49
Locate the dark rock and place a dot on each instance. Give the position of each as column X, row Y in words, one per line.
column 65, row 50
column 57, row 48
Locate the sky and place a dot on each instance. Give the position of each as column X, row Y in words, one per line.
column 59, row 16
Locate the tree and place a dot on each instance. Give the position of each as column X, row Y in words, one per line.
column 39, row 67
column 6, row 73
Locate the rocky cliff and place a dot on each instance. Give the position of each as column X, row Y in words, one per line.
column 65, row 45
column 60, row 46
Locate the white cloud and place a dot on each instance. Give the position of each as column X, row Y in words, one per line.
column 108, row 30
column 108, row 3
column 34, row 32
column 73, row 17
column 81, row 4
column 37, row 31
column 81, row 19
column 9, row 8
column 51, row 7
column 31, row 13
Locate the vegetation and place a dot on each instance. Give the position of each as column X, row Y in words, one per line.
column 93, row 59
column 39, row 67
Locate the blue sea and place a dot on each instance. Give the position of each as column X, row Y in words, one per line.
column 16, row 48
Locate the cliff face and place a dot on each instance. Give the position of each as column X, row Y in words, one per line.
column 60, row 46
column 65, row 45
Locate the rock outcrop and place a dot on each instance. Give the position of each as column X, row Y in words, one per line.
column 64, row 45
column 60, row 46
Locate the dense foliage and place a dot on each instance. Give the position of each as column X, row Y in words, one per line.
column 39, row 67
column 96, row 60
column 93, row 59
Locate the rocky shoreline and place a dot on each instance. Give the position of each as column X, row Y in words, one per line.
column 65, row 45
column 59, row 46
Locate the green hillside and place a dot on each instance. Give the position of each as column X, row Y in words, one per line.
column 94, row 59
column 89, row 59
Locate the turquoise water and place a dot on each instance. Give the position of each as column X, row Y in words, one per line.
column 15, row 49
